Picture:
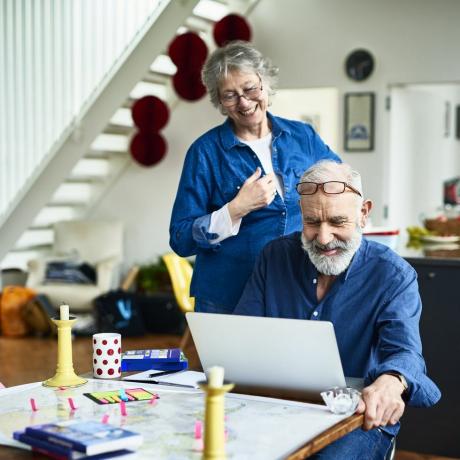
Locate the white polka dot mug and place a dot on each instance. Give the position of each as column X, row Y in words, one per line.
column 107, row 355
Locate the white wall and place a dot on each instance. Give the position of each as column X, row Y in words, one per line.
column 411, row 40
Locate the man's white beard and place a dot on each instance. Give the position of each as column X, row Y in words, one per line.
column 338, row 263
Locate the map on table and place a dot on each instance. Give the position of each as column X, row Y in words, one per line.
column 257, row 427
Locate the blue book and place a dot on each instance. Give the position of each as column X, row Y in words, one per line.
column 167, row 359
column 86, row 436
column 63, row 453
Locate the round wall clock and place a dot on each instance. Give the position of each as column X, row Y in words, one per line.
column 359, row 65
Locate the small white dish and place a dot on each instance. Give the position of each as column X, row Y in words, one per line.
column 440, row 239
column 342, row 401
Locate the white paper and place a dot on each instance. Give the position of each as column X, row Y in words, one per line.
column 189, row 378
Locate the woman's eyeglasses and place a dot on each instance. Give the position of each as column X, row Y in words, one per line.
column 330, row 188
column 232, row 98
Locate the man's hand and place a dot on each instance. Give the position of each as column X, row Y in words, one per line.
column 256, row 192
column 381, row 402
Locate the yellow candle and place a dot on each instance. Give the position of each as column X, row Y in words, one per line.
column 64, row 310
column 215, row 376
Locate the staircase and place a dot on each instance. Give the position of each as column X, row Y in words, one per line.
column 94, row 152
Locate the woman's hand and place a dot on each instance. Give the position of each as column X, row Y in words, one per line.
column 256, row 192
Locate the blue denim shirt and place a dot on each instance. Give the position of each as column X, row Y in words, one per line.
column 215, row 168
column 374, row 306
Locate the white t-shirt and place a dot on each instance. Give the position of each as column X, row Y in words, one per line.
column 221, row 222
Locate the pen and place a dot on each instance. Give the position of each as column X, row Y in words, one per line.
column 157, row 374
column 159, row 382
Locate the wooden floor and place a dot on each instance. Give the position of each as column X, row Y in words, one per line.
column 26, row 360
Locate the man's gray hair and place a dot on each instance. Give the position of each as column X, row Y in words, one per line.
column 328, row 170
column 237, row 56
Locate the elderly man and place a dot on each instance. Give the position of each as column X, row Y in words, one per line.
column 370, row 294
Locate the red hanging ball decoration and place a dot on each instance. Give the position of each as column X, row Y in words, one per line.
column 231, row 27
column 148, row 148
column 150, row 113
column 188, row 84
column 188, row 51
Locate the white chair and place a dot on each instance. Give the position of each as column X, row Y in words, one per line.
column 98, row 243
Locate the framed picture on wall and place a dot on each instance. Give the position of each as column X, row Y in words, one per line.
column 359, row 122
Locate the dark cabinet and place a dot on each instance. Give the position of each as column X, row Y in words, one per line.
column 437, row 430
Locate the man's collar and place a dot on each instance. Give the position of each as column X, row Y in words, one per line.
column 356, row 260
column 229, row 139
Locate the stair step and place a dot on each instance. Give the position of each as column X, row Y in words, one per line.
column 122, row 117
column 201, row 26
column 163, row 65
column 118, row 129
column 73, row 193
column 111, row 143
column 19, row 259
column 104, row 154
column 52, row 214
column 33, row 238
column 153, row 77
column 210, row 10
column 90, row 168
column 145, row 88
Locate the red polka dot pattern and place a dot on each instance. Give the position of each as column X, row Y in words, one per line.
column 106, row 357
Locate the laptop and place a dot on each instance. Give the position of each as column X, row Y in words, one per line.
column 297, row 358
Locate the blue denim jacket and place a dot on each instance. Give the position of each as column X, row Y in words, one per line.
column 215, row 168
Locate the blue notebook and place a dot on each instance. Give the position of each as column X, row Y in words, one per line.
column 167, row 359
column 86, row 436
column 60, row 452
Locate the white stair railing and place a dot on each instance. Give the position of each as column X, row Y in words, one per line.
column 55, row 56
column 18, row 210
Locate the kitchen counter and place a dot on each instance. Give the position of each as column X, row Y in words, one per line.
column 430, row 254
column 438, row 268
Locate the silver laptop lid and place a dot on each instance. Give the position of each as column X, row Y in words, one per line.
column 290, row 354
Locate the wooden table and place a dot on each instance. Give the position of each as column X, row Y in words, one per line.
column 31, row 359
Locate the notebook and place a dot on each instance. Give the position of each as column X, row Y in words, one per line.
column 294, row 357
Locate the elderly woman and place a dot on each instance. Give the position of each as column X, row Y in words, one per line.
column 237, row 188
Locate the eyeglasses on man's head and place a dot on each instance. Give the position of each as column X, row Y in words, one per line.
column 331, row 188
column 231, row 98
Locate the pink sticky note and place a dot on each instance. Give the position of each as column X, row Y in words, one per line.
column 123, row 409
column 105, row 418
column 153, row 400
column 198, row 429
column 33, row 405
column 72, row 404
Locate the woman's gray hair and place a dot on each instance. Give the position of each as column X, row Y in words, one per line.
column 240, row 56
column 329, row 170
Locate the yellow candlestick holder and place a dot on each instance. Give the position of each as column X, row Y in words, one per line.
column 65, row 375
column 214, row 427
